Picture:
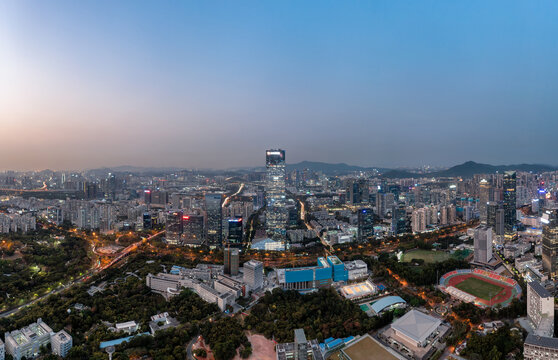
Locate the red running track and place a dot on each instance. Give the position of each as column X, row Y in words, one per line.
column 502, row 296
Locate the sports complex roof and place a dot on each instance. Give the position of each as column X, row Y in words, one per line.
column 384, row 302
column 416, row 325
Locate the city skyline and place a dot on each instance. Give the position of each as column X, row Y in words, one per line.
column 197, row 85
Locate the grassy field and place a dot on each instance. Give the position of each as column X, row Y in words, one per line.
column 427, row 255
column 479, row 288
column 368, row 349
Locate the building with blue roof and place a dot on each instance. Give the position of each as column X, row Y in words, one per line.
column 303, row 279
column 105, row 344
column 387, row 302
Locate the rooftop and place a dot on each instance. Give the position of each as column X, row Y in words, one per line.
column 416, row 325
column 539, row 289
column 543, row 341
column 384, row 302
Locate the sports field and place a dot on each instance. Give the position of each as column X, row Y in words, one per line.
column 429, row 256
column 367, row 349
column 479, row 288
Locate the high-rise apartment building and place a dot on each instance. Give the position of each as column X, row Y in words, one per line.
column 483, row 244
column 550, row 242
column 540, row 309
column 275, row 195
column 495, row 217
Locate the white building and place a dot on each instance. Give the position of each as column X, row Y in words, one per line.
column 356, row 270
column 253, row 274
column 128, row 326
column 540, row 309
column 27, row 341
column 483, row 244
column 2, row 350
column 61, row 343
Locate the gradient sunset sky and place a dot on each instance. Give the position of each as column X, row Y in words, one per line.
column 212, row 84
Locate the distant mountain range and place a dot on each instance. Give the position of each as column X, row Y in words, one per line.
column 328, row 168
column 470, row 168
column 465, row 170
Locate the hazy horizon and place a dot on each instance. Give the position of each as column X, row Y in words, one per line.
column 206, row 85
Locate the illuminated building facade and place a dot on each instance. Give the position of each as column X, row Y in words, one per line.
column 214, row 226
column 275, row 197
column 509, row 202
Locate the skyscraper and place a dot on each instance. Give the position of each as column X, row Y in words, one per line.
column 275, row 197
column 484, row 198
column 550, row 242
column 193, row 230
column 253, row 274
column 214, row 226
column 495, row 217
column 174, row 227
column 483, row 244
column 365, row 224
column 232, row 256
column 509, row 202
column 235, row 231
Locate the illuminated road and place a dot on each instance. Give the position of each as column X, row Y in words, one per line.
column 130, row 249
column 228, row 198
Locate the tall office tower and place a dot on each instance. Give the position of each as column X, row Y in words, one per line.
column 235, row 232
column 358, row 192
column 147, row 196
column 147, row 222
column 495, row 217
column 192, row 234
column 398, row 220
column 484, row 198
column 365, row 220
column 275, row 197
column 253, row 274
column 174, row 227
column 483, row 244
column 231, row 261
column 214, row 227
column 550, row 242
column 540, row 309
column 509, row 202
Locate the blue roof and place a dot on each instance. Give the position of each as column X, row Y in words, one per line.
column 328, row 340
column 384, row 302
column 334, row 343
column 115, row 342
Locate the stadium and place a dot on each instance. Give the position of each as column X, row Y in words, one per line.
column 480, row 287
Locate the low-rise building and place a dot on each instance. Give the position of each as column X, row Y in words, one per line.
column 356, row 270
column 299, row 349
column 128, row 327
column 27, row 341
column 162, row 321
column 61, row 343
column 2, row 350
column 415, row 334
